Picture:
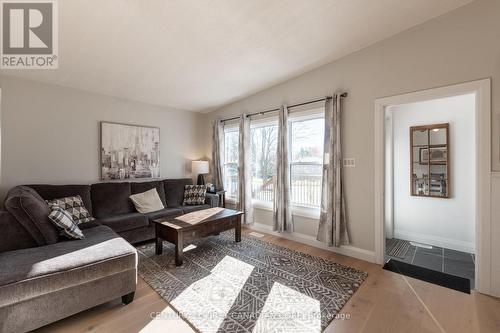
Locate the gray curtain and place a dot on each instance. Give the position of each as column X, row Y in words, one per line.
column 282, row 214
column 217, row 153
column 333, row 229
column 245, row 171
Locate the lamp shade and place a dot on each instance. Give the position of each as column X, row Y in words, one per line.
column 199, row 167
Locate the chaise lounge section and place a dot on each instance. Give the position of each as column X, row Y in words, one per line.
column 49, row 278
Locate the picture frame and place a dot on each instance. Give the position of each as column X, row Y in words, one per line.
column 128, row 151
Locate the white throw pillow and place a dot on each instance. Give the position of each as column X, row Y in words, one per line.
column 147, row 202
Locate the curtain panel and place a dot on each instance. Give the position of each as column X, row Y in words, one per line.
column 333, row 228
column 217, row 153
column 282, row 213
column 245, row 171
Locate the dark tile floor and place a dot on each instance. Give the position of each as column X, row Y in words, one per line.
column 442, row 260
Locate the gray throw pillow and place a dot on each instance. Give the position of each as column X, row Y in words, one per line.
column 74, row 206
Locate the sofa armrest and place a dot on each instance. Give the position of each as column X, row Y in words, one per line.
column 212, row 199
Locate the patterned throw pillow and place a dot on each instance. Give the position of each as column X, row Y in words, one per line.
column 194, row 194
column 62, row 219
column 74, row 206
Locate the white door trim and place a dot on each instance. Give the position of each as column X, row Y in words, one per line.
column 482, row 90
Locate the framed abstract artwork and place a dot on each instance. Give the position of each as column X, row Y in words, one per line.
column 129, row 151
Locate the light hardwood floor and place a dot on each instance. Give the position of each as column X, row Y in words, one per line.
column 385, row 302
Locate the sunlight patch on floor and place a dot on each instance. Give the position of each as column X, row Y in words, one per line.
column 189, row 248
column 287, row 310
column 166, row 321
column 207, row 302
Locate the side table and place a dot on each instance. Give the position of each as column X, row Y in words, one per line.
column 222, row 197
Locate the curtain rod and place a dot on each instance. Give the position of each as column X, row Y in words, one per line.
column 290, row 106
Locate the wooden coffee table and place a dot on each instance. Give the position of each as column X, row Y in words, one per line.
column 195, row 225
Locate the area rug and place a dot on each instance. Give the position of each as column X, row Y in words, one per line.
column 396, row 247
column 251, row 286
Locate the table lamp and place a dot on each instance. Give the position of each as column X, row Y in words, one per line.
column 200, row 168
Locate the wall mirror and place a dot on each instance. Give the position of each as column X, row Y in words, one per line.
column 430, row 161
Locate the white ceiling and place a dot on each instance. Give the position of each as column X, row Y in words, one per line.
column 201, row 54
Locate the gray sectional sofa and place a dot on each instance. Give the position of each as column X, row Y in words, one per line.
column 44, row 277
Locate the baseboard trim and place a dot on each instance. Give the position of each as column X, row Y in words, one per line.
column 346, row 250
column 435, row 240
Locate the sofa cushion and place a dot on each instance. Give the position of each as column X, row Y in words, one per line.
column 111, row 199
column 13, row 235
column 74, row 206
column 174, row 190
column 51, row 192
column 33, row 213
column 124, row 222
column 42, row 270
column 147, row 202
column 167, row 212
column 140, row 187
column 64, row 221
column 88, row 225
column 189, row 209
column 139, row 235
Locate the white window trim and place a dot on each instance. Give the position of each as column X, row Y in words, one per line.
column 228, row 128
column 258, row 123
column 302, row 211
column 306, row 114
column 264, row 205
column 316, row 113
column 263, row 122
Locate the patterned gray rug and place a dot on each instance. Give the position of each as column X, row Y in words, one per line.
column 252, row 286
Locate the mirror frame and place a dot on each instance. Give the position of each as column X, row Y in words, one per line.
column 447, row 145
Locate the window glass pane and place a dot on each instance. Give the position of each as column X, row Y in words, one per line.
column 231, row 139
column 305, row 184
column 230, row 171
column 231, row 179
column 263, row 146
column 307, row 140
column 306, row 165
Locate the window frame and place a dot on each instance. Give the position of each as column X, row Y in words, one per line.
column 227, row 129
column 309, row 211
column 263, row 122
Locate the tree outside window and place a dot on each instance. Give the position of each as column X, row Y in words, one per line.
column 263, row 149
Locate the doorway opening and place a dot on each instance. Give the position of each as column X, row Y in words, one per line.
column 430, row 185
column 419, row 176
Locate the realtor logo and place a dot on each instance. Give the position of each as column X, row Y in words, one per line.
column 29, row 34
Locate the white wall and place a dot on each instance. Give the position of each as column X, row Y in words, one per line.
column 457, row 47
column 442, row 222
column 50, row 134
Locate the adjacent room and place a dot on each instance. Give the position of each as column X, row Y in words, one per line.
column 430, row 213
column 305, row 166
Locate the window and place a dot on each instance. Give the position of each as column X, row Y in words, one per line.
column 306, row 136
column 231, row 152
column 306, row 159
column 264, row 137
